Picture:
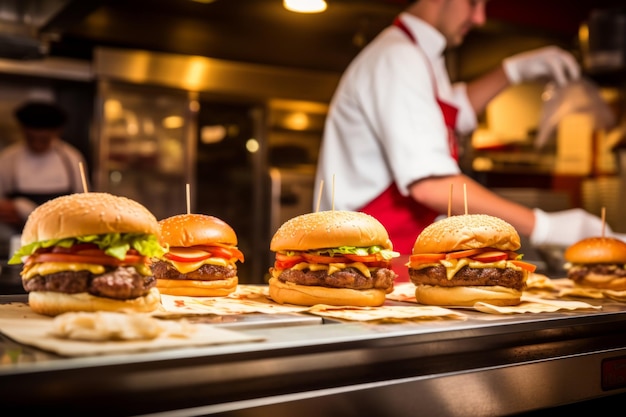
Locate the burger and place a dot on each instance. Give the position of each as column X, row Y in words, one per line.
column 89, row 252
column 339, row 258
column 597, row 262
column 461, row 260
column 201, row 256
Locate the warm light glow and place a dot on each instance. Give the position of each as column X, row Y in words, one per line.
column 252, row 145
column 305, row 6
column 173, row 122
column 113, row 109
column 297, row 121
column 212, row 134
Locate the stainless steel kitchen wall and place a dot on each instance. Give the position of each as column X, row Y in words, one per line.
column 164, row 121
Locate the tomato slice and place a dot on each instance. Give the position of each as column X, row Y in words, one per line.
column 287, row 261
column 322, row 259
column 180, row 254
column 424, row 258
column 285, row 264
column 525, row 265
column 464, row 253
column 88, row 259
column 362, row 258
column 491, row 256
column 226, row 253
column 221, row 251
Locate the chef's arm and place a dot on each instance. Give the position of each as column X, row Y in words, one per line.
column 434, row 192
column 483, row 89
column 563, row 228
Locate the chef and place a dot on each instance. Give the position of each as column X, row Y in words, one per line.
column 390, row 139
column 41, row 167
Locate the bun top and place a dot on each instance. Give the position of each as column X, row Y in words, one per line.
column 330, row 229
column 468, row 231
column 195, row 229
column 82, row 214
column 596, row 250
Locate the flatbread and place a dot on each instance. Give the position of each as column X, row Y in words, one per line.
column 535, row 305
column 386, row 313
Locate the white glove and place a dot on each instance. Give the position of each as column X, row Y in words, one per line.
column 564, row 228
column 550, row 61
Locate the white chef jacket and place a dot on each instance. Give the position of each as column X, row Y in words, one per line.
column 384, row 124
column 46, row 173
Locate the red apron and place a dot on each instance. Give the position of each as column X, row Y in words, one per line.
column 403, row 217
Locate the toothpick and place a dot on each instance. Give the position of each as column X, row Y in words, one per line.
column 333, row 193
column 83, row 177
column 465, row 196
column 603, row 220
column 188, row 199
column 319, row 196
column 450, row 201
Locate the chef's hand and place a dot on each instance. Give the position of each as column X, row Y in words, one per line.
column 549, row 61
column 564, row 228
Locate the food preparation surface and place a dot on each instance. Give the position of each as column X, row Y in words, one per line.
column 300, row 362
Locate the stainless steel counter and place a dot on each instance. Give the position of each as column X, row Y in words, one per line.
column 485, row 366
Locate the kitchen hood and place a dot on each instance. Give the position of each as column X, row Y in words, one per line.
column 20, row 24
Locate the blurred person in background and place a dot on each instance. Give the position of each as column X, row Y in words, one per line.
column 40, row 167
column 390, row 138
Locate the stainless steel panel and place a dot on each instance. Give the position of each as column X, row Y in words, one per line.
column 202, row 74
column 485, row 365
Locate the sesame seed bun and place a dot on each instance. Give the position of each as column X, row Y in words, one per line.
column 207, row 279
column 88, row 214
column 195, row 229
column 469, row 231
column 597, row 262
column 497, row 283
column 82, row 214
column 329, row 229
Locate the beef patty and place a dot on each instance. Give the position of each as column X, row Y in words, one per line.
column 122, row 283
column 466, row 276
column 578, row 272
column 382, row 278
column 164, row 270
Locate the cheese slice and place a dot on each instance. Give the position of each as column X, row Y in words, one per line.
column 334, row 267
column 454, row 265
column 48, row 268
column 187, row 267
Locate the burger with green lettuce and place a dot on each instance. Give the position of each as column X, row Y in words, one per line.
column 89, row 252
column 332, row 257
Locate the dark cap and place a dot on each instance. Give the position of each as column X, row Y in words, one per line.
column 40, row 115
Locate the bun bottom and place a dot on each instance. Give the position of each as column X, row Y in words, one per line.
column 53, row 303
column 197, row 288
column 309, row 295
column 466, row 296
column 604, row 282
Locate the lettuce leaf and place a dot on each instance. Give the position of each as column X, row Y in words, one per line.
column 113, row 244
column 387, row 254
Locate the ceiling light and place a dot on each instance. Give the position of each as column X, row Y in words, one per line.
column 305, row 6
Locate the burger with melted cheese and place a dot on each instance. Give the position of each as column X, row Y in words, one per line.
column 339, row 258
column 597, row 262
column 201, row 256
column 465, row 259
column 89, row 252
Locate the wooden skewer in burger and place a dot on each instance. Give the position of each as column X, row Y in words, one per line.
column 89, row 252
column 464, row 259
column 597, row 262
column 201, row 258
column 334, row 257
